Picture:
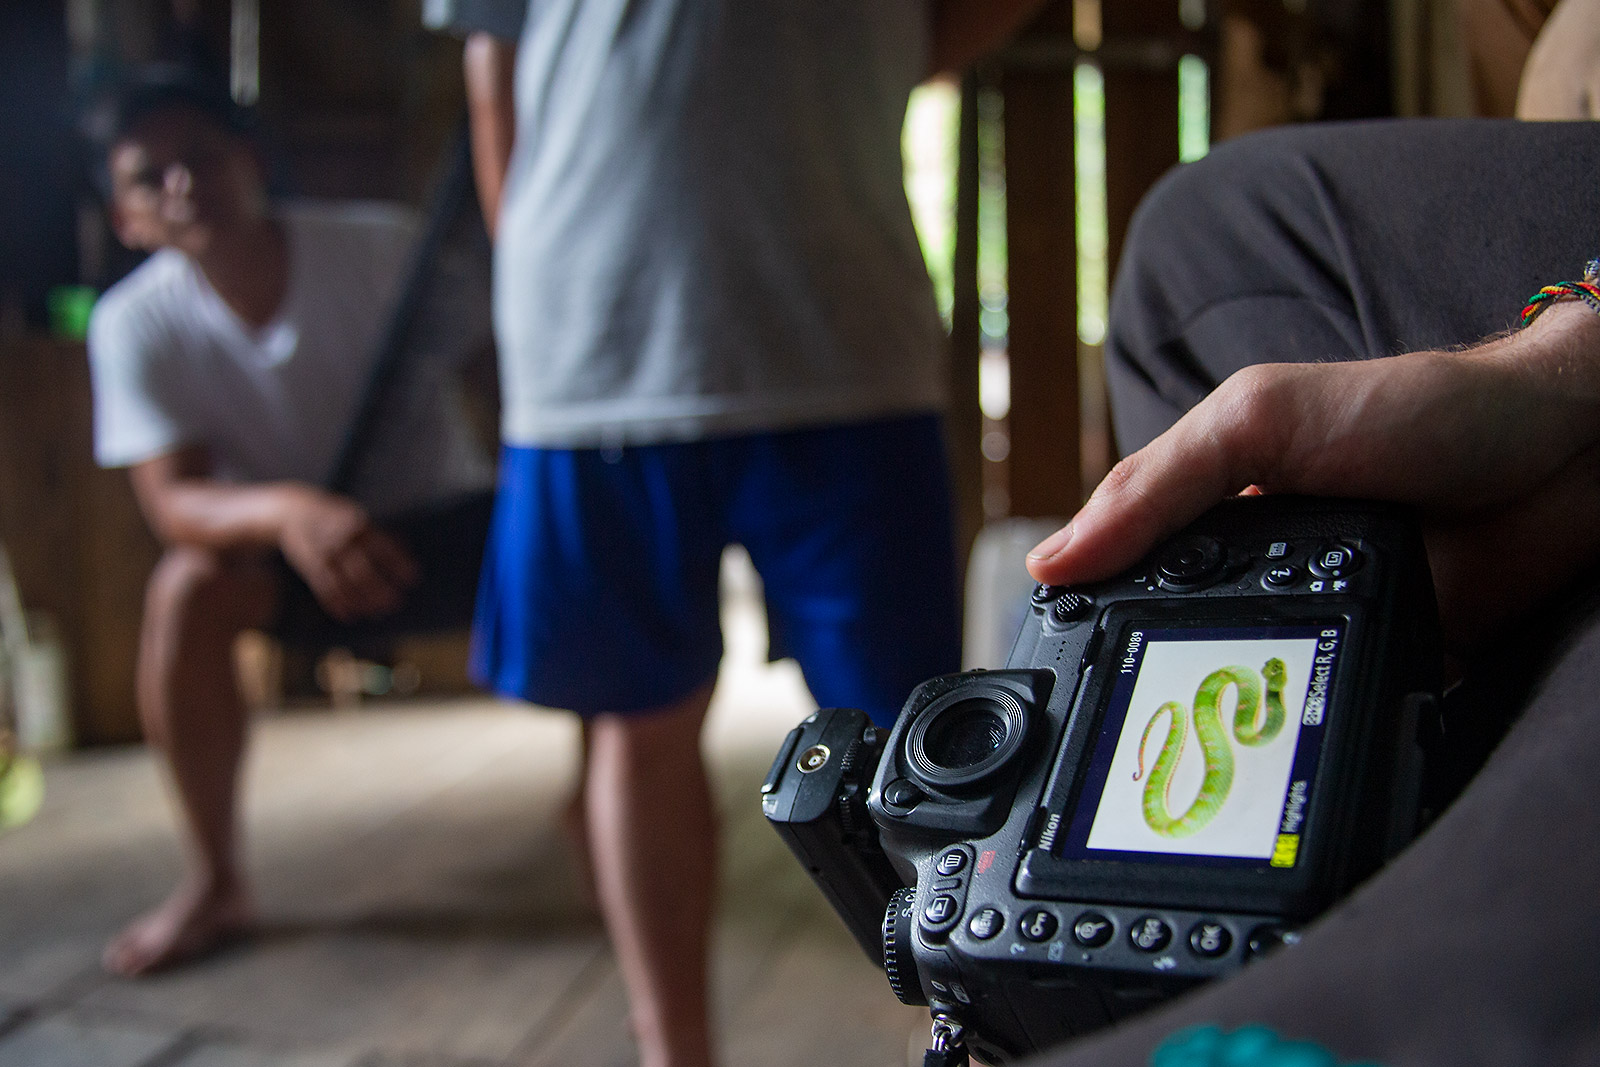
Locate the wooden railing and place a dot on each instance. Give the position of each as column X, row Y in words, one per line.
column 1137, row 48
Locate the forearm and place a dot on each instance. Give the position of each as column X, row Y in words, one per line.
column 1454, row 433
column 489, row 66
column 967, row 30
column 204, row 512
column 1553, row 367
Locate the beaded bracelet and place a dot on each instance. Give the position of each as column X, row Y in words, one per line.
column 1587, row 290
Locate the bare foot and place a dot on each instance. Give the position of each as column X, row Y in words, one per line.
column 189, row 923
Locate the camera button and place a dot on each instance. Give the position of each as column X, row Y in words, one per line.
column 1334, row 560
column 1282, row 575
column 900, row 796
column 1068, row 609
column 952, row 862
column 1038, row 925
column 1191, row 563
column 941, row 909
column 1265, row 938
column 1210, row 939
column 1043, row 594
column 986, row 923
column 1149, row 934
column 1278, row 550
column 1091, row 929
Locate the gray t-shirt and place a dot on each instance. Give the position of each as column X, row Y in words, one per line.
column 705, row 227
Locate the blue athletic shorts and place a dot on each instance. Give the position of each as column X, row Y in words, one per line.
column 599, row 584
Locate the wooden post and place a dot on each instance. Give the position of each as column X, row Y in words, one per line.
column 1139, row 59
column 1041, row 239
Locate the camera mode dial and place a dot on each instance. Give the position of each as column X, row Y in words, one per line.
column 899, row 957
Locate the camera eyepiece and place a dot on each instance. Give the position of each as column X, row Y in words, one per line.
column 966, row 736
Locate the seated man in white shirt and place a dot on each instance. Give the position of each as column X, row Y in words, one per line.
column 228, row 370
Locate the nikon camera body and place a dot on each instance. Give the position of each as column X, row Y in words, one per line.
column 1176, row 769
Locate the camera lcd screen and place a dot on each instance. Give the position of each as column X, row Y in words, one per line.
column 1208, row 750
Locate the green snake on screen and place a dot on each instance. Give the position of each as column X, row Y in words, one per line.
column 1250, row 727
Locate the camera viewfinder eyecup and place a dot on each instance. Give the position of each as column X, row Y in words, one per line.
column 966, row 737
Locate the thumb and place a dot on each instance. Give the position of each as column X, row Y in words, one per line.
column 1212, row 452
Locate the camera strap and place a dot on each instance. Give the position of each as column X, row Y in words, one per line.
column 949, row 1050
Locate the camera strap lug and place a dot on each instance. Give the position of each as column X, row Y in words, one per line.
column 949, row 1050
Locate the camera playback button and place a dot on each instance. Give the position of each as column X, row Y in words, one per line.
column 1038, row 925
column 941, row 910
column 1149, row 934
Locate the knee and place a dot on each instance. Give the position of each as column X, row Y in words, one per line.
column 664, row 736
column 198, row 587
column 1260, row 179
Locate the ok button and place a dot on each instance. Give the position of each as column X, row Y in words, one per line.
column 1037, row 924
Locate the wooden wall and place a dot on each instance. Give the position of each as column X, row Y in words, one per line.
column 77, row 542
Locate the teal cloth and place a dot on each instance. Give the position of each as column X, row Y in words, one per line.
column 1248, row 1046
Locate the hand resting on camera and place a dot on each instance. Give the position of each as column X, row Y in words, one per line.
column 1497, row 447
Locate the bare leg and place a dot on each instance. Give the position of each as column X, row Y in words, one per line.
column 575, row 825
column 653, row 834
column 195, row 606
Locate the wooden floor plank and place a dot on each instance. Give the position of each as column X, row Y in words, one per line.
column 70, row 1041
column 421, row 904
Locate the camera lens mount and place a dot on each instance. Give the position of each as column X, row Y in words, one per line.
column 966, row 736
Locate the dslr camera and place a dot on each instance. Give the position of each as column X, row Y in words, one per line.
column 1175, row 771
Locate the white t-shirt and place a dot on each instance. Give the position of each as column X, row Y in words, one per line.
column 705, row 228
column 173, row 365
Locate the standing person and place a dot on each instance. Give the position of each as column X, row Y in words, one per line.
column 714, row 326
column 227, row 371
